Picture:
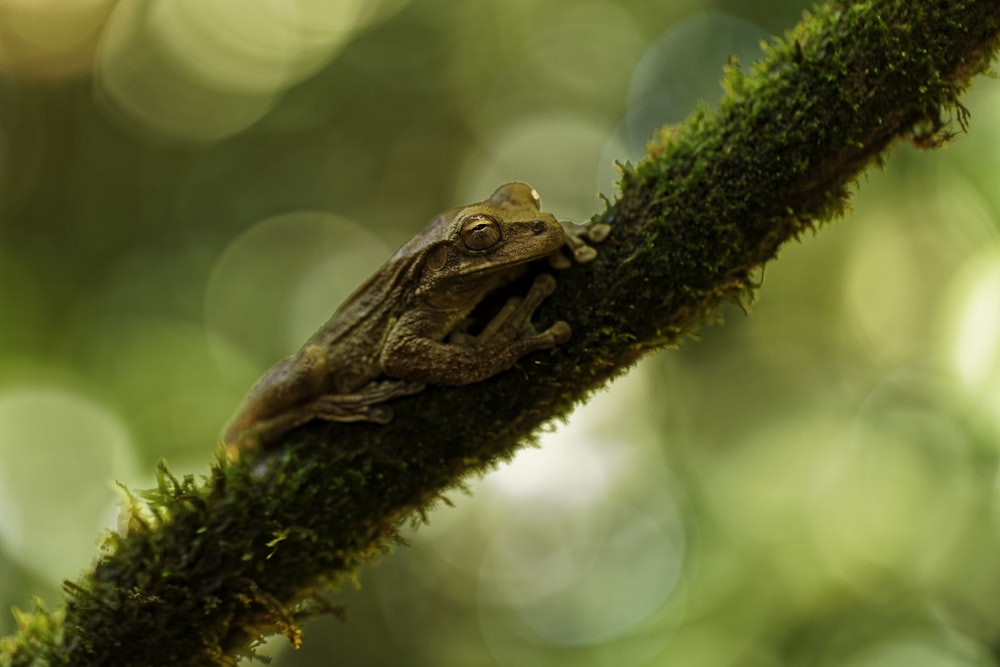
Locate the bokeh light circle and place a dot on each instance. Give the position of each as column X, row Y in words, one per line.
column 60, row 451
column 683, row 67
column 573, row 578
column 585, row 48
column 50, row 39
column 143, row 88
column 970, row 322
column 203, row 70
column 279, row 281
column 554, row 153
column 879, row 292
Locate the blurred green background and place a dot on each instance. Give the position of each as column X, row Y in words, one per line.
column 189, row 187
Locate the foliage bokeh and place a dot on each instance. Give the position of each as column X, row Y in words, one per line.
column 187, row 192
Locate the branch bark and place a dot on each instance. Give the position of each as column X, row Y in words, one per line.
column 207, row 566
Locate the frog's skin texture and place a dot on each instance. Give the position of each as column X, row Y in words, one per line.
column 403, row 327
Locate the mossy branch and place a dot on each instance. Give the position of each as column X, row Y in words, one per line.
column 210, row 565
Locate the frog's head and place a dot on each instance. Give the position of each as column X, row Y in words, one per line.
column 483, row 239
column 516, row 200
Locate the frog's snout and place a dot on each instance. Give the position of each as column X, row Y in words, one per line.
column 539, row 227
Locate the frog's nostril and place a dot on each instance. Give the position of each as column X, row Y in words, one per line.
column 538, row 226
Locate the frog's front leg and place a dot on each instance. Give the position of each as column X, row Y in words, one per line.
column 504, row 340
column 516, row 315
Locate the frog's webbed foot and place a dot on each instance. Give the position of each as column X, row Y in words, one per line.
column 368, row 404
column 577, row 236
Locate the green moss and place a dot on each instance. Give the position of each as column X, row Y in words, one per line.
column 726, row 188
column 207, row 566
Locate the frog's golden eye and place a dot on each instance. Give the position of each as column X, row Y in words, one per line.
column 480, row 232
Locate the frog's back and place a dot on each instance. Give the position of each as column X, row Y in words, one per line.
column 354, row 332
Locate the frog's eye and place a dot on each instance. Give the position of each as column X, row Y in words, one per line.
column 480, row 232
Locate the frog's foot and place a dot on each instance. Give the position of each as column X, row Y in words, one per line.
column 513, row 322
column 380, row 414
column 596, row 231
column 380, row 391
column 560, row 332
column 575, row 235
column 367, row 405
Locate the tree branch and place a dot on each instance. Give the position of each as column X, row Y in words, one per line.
column 209, row 565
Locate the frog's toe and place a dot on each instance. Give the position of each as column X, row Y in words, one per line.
column 559, row 261
column 380, row 414
column 545, row 284
column 597, row 232
column 584, row 254
column 560, row 332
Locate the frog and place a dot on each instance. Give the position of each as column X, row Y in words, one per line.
column 404, row 328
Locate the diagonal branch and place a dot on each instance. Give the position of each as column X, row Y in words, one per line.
column 209, row 565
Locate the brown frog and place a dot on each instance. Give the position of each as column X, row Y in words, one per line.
column 403, row 327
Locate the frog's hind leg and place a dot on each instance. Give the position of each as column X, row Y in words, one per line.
column 368, row 404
